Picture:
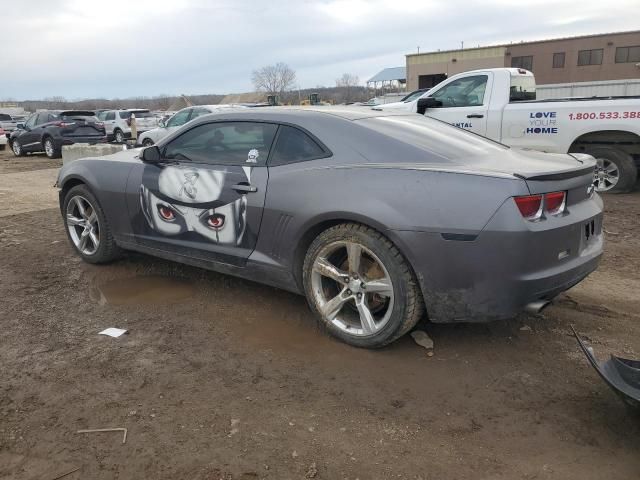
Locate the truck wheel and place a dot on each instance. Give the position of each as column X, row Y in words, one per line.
column 616, row 171
column 360, row 287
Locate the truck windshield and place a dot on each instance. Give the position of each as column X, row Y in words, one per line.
column 523, row 87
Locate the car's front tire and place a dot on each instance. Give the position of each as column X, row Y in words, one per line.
column 17, row 149
column 360, row 287
column 87, row 227
column 147, row 142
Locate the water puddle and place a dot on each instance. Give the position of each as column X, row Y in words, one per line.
column 150, row 289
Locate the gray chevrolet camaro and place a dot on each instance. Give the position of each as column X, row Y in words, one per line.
column 377, row 218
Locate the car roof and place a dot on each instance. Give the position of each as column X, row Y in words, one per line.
column 298, row 113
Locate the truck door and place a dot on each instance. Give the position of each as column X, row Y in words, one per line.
column 463, row 103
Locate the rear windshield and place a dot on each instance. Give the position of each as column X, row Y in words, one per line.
column 432, row 135
column 139, row 114
column 4, row 116
column 70, row 116
column 522, row 88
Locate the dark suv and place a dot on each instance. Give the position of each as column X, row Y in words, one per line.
column 49, row 130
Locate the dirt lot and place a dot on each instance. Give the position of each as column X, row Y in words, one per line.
column 221, row 378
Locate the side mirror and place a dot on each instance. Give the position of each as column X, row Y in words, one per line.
column 151, row 154
column 20, row 126
column 161, row 123
column 428, row 102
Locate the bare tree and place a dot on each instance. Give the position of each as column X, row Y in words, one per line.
column 274, row 79
column 347, row 82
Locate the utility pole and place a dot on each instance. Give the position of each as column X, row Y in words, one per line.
column 462, row 45
column 418, row 49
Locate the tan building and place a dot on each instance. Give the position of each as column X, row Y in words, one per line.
column 609, row 56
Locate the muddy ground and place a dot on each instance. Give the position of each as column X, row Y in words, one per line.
column 221, row 378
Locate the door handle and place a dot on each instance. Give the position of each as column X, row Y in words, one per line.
column 475, row 115
column 244, row 188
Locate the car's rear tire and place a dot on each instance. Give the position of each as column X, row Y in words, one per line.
column 360, row 287
column 49, row 148
column 616, row 171
column 17, row 149
column 118, row 136
column 147, row 142
column 87, row 228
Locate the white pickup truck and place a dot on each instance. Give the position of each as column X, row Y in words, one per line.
column 500, row 103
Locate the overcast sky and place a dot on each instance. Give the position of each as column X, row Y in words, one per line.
column 124, row 48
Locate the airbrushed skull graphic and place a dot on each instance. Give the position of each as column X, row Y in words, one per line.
column 177, row 200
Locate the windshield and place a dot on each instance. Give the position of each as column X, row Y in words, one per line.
column 138, row 113
column 413, row 96
column 4, row 116
column 523, row 87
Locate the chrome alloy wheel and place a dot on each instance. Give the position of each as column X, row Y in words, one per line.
column 17, row 149
column 82, row 222
column 352, row 288
column 48, row 148
column 606, row 175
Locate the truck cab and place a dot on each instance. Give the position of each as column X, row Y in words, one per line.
column 500, row 103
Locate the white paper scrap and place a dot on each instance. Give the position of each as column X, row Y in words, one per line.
column 113, row 332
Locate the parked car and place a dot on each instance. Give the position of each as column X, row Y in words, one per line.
column 118, row 122
column 181, row 117
column 47, row 131
column 500, row 103
column 8, row 123
column 374, row 216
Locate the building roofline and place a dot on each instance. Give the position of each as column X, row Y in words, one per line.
column 506, row 45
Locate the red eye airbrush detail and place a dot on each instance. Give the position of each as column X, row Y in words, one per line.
column 215, row 221
column 166, row 213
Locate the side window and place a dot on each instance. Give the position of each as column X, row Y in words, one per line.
column 101, row 115
column 294, row 145
column 42, row 118
column 224, row 143
column 464, row 92
column 31, row 121
column 179, row 118
column 110, row 116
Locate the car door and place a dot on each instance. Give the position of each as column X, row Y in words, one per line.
column 205, row 197
column 30, row 138
column 463, row 103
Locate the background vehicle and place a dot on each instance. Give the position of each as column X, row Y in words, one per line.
column 118, row 122
column 500, row 104
column 47, row 131
column 8, row 123
column 373, row 216
column 177, row 120
column 3, row 139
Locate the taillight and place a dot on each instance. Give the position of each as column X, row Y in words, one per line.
column 99, row 124
column 554, row 202
column 129, row 122
column 530, row 206
column 1, row 131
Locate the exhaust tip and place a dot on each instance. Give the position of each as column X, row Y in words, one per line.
column 537, row 306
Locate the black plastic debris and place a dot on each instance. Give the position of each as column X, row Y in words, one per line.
column 621, row 374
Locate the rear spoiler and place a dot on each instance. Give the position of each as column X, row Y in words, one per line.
column 80, row 113
column 558, row 176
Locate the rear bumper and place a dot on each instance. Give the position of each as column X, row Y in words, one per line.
column 495, row 275
column 92, row 140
